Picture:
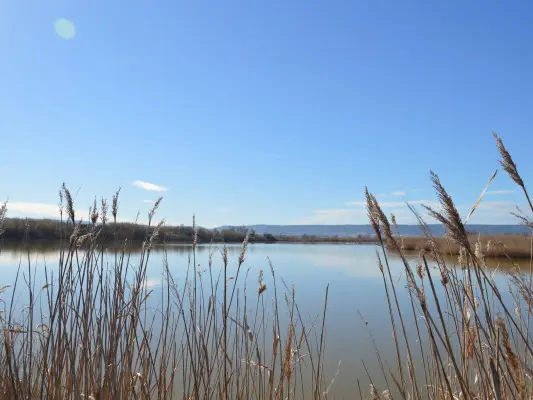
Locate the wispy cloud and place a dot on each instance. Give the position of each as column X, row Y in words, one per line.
column 43, row 209
column 495, row 212
column 149, row 201
column 149, row 186
column 334, row 216
column 357, row 213
column 357, row 216
column 36, row 209
column 500, row 191
column 30, row 209
column 491, row 205
column 390, row 204
column 488, row 212
column 398, row 193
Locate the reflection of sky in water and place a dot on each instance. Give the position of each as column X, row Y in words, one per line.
column 351, row 271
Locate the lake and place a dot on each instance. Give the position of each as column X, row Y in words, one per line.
column 357, row 301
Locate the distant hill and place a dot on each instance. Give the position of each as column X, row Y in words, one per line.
column 354, row 230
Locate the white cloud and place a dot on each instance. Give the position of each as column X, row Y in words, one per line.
column 495, row 212
column 335, row 216
column 43, row 209
column 393, row 194
column 148, row 201
column 487, row 212
column 358, row 214
column 29, row 209
column 391, row 204
column 36, row 209
column 501, row 191
column 492, row 205
column 149, row 186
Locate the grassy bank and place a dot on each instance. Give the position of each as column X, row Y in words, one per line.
column 504, row 246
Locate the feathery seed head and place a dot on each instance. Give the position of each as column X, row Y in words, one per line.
column 61, row 206
column 103, row 210
column 3, row 212
column 371, row 213
column 420, row 271
column 114, row 205
column 225, row 255
column 373, row 392
column 151, row 213
column 507, row 162
column 93, row 214
column 261, row 289
column 70, row 204
column 262, row 285
column 243, row 250
column 449, row 216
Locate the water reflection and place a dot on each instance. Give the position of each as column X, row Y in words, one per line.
column 350, row 270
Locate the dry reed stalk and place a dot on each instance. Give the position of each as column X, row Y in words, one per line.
column 101, row 338
column 464, row 359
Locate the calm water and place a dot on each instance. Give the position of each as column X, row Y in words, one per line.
column 350, row 270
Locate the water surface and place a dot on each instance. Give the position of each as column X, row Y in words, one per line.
column 357, row 302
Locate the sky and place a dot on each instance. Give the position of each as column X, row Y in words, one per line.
column 263, row 112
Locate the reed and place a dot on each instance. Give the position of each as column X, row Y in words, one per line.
column 95, row 329
column 493, row 246
column 474, row 343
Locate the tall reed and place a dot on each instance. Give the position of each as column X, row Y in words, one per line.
column 95, row 328
column 472, row 341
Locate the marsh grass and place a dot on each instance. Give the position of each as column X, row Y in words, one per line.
column 494, row 246
column 95, row 329
column 473, row 342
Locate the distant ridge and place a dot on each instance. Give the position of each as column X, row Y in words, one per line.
column 354, row 230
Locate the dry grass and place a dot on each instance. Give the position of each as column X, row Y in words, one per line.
column 508, row 246
column 473, row 342
column 94, row 329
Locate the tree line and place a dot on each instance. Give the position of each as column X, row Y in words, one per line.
column 21, row 229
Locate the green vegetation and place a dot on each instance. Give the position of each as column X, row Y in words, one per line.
column 96, row 329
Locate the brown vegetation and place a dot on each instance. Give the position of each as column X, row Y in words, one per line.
column 508, row 246
column 96, row 330
column 90, row 331
column 473, row 342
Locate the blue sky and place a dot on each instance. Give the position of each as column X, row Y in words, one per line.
column 263, row 111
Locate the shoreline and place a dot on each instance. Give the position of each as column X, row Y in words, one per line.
column 55, row 242
column 493, row 246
